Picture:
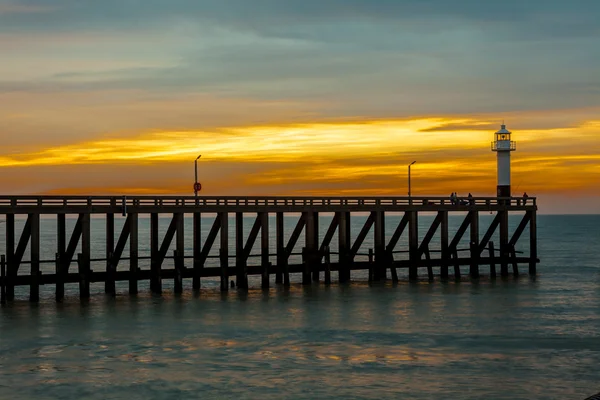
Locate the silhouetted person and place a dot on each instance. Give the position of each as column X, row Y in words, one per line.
column 525, row 196
column 471, row 201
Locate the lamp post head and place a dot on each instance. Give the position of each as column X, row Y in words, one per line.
column 198, row 157
column 412, row 163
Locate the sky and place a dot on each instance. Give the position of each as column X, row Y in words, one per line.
column 290, row 97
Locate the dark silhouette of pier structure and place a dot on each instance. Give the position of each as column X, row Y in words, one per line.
column 318, row 261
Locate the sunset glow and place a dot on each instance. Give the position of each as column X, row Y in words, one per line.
column 111, row 107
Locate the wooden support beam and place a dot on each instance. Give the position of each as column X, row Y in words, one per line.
column 474, row 245
column 264, row 248
column 167, row 240
column 133, row 253
column 280, row 247
column 430, row 234
column 178, row 261
column 155, row 262
column 344, row 247
column 295, row 236
column 445, row 254
column 10, row 255
column 241, row 260
column 84, row 276
column 178, row 273
column 504, row 249
column 316, row 256
column 210, row 239
column 3, row 279
column 224, row 251
column 398, row 233
column 381, row 257
column 532, row 243
column 197, row 249
column 362, row 235
column 413, row 244
column 492, row 256
column 513, row 258
column 109, row 284
column 308, row 251
column 252, row 237
column 329, row 235
column 489, row 233
column 461, row 231
column 23, row 242
column 123, row 237
column 34, row 287
column 327, row 266
column 520, row 229
column 456, row 265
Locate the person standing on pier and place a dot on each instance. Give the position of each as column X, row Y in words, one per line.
column 525, row 196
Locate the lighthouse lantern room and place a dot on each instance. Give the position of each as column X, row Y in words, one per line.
column 503, row 145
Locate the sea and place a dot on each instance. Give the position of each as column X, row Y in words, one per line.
column 504, row 338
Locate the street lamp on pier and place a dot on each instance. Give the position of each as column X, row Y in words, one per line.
column 196, row 176
column 409, row 177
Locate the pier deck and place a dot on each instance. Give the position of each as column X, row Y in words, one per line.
column 318, row 259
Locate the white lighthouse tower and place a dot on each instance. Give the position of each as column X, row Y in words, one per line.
column 502, row 145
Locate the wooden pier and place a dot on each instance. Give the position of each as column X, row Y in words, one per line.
column 318, row 261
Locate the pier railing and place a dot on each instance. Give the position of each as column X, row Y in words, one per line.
column 53, row 202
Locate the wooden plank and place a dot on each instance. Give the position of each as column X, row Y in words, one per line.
column 362, row 235
column 210, row 239
column 430, row 233
column 295, row 236
column 252, row 236
column 10, row 255
column 34, row 287
column 398, row 233
column 316, row 256
column 3, row 279
column 445, row 254
column 264, row 249
column 532, row 243
column 381, row 257
column 109, row 284
column 504, row 249
column 166, row 243
column 178, row 261
column 474, row 245
column 344, row 259
column 133, row 252
column 280, row 245
column 489, row 233
column 520, row 229
column 23, row 241
column 329, row 234
column 155, row 262
column 492, row 255
column 461, row 231
column 413, row 244
column 224, row 251
column 197, row 249
column 84, row 276
column 310, row 246
column 241, row 260
column 121, row 242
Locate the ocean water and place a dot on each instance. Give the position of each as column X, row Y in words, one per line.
column 531, row 337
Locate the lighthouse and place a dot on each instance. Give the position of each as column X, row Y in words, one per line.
column 503, row 146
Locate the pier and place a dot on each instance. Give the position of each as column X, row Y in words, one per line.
column 336, row 251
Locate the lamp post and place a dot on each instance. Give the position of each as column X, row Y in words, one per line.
column 409, row 177
column 196, row 176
